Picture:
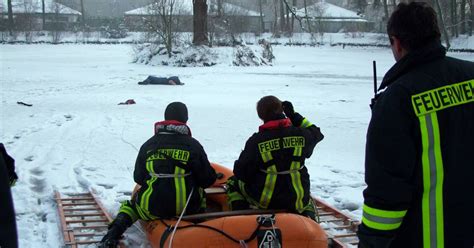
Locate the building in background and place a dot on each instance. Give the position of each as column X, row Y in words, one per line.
column 28, row 15
column 324, row 17
column 232, row 17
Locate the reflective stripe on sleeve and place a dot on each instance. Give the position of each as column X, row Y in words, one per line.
column 305, row 123
column 380, row 219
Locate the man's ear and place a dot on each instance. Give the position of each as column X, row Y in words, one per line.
column 397, row 49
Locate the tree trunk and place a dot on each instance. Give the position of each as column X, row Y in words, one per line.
column 295, row 4
column 43, row 14
column 10, row 17
column 282, row 17
column 385, row 10
column 83, row 14
column 275, row 18
column 308, row 22
column 260, row 9
column 454, row 19
column 463, row 16
column 471, row 8
column 441, row 22
column 200, row 22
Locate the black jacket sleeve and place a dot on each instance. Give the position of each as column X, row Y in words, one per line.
column 245, row 168
column 8, row 232
column 312, row 133
column 203, row 172
column 390, row 161
column 10, row 165
column 140, row 173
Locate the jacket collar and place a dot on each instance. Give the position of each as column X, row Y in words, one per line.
column 275, row 124
column 432, row 51
column 172, row 126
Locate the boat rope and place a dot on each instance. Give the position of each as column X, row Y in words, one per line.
column 180, row 217
column 260, row 222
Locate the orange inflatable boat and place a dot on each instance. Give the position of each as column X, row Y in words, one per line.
column 221, row 228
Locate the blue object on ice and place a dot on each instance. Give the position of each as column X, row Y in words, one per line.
column 161, row 80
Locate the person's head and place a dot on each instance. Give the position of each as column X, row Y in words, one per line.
column 412, row 26
column 176, row 111
column 269, row 108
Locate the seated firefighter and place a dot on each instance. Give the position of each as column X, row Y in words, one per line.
column 270, row 172
column 168, row 164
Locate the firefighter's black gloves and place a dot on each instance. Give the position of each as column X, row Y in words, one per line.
column 288, row 109
column 295, row 118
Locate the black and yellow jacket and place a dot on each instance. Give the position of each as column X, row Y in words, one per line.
column 272, row 164
column 168, row 166
column 419, row 155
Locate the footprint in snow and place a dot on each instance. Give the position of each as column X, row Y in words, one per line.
column 107, row 185
column 29, row 158
column 68, row 117
column 37, row 171
column 38, row 184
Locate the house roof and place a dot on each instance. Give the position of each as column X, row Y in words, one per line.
column 35, row 6
column 324, row 10
column 185, row 7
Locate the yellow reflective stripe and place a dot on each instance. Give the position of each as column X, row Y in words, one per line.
column 180, row 187
column 266, row 156
column 384, row 213
column 298, row 151
column 305, row 123
column 145, row 198
column 269, row 187
column 380, row 226
column 443, row 97
column 234, row 196
column 382, row 219
column 297, row 185
column 126, row 209
column 246, row 196
column 433, row 176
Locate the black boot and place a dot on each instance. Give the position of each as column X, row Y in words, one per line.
column 116, row 229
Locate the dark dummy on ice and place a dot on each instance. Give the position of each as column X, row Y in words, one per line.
column 161, row 80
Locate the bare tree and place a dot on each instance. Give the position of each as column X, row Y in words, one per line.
column 463, row 16
column 385, row 10
column 43, row 13
column 471, row 8
column 454, row 18
column 260, row 9
column 10, row 17
column 441, row 20
column 57, row 26
column 83, row 14
column 162, row 23
column 26, row 21
column 200, row 22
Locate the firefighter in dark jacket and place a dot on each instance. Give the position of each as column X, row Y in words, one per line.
column 419, row 152
column 8, row 177
column 172, row 169
column 270, row 172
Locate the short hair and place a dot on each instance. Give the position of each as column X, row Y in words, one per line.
column 269, row 108
column 414, row 24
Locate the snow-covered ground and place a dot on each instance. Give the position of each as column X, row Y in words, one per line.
column 75, row 137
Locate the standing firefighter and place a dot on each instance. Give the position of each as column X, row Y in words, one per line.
column 270, row 172
column 419, row 162
column 171, row 167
